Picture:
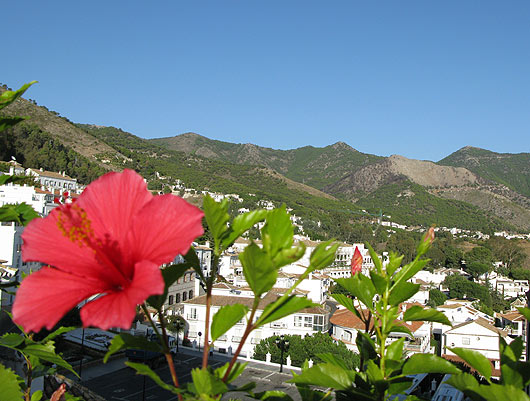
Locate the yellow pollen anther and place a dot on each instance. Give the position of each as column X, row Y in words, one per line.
column 72, row 221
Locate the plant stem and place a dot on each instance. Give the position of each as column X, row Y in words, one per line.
column 206, row 347
column 248, row 330
column 29, row 379
column 164, row 343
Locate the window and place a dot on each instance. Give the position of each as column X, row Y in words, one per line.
column 298, row 321
column 190, row 294
column 170, row 300
column 318, row 322
column 185, row 277
column 465, row 341
column 177, row 298
column 192, row 315
column 184, row 296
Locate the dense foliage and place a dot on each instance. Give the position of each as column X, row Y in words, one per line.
column 504, row 168
column 306, row 348
column 412, row 205
column 37, row 149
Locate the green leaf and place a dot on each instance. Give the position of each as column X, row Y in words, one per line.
column 192, row 260
column 373, row 371
column 399, row 386
column 375, row 258
column 380, row 282
column 395, row 350
column 333, row 359
column 36, row 396
column 409, row 270
column 9, row 97
column 398, row 328
column 217, row 217
column 393, row 263
column 496, row 392
column 21, row 213
column 272, row 395
column 366, row 346
column 466, row 383
column 428, row 363
column 309, row 394
column 476, row 360
column 124, row 340
column 243, row 223
column 11, row 340
column 289, row 255
column 277, row 234
column 225, row 318
column 145, row 370
column 258, row 269
column 323, row 255
column 326, row 375
column 283, row 307
column 9, row 385
column 205, row 382
column 58, row 332
column 347, row 303
column 401, row 292
column 236, row 371
column 361, row 287
column 47, row 353
column 418, row 313
column 170, row 274
column 511, row 352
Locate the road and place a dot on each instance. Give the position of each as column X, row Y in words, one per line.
column 123, row 384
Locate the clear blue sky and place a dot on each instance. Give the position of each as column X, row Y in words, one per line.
column 416, row 78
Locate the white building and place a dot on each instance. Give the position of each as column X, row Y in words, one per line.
column 307, row 321
column 345, row 326
column 478, row 335
column 52, row 179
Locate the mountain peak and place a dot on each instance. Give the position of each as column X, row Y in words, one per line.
column 342, row 145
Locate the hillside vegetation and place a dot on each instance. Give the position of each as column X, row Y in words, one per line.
column 413, row 205
column 317, row 167
column 512, row 170
column 321, row 185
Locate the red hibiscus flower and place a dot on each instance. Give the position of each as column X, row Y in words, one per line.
column 109, row 244
column 356, row 262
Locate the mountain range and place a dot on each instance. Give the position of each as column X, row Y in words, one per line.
column 329, row 186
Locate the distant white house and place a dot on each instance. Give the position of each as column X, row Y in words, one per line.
column 306, row 321
column 477, row 335
column 345, row 326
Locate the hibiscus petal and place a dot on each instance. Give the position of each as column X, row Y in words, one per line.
column 45, row 296
column 117, row 309
column 164, row 228
column 112, row 200
column 44, row 242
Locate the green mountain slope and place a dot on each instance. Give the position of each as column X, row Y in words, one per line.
column 411, row 204
column 317, row 167
column 323, row 214
column 512, row 170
